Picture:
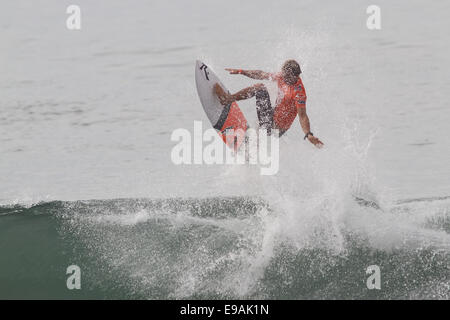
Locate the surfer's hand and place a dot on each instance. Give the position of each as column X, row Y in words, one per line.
column 315, row 141
column 234, row 71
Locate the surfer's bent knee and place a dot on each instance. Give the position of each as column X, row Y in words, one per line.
column 260, row 87
column 261, row 93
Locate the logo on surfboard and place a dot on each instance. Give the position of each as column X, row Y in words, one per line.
column 204, row 67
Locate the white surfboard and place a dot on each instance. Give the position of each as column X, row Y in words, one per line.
column 224, row 119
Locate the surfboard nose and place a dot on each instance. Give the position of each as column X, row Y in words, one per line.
column 198, row 63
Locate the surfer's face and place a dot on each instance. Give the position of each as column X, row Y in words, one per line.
column 289, row 78
column 291, row 72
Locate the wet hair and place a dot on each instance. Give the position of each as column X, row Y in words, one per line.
column 292, row 67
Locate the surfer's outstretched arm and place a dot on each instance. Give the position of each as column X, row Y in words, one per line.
column 254, row 74
column 304, row 122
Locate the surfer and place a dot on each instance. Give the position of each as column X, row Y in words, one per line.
column 291, row 99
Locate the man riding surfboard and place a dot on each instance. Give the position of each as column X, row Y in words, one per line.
column 291, row 99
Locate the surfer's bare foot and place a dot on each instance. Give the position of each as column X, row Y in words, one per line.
column 224, row 97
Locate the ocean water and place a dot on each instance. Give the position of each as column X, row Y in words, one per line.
column 86, row 176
